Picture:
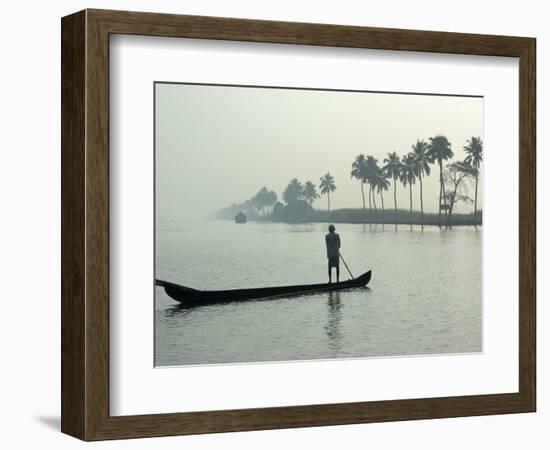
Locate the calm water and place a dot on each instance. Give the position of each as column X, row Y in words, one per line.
column 424, row 296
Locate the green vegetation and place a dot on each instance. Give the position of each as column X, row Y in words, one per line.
column 408, row 177
column 259, row 206
column 454, row 178
column 439, row 151
column 310, row 193
column 474, row 150
column 359, row 171
column 404, row 217
column 422, row 164
column 392, row 169
column 327, row 186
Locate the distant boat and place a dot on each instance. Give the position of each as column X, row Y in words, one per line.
column 240, row 218
column 192, row 297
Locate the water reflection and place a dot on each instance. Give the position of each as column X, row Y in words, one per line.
column 333, row 327
column 178, row 311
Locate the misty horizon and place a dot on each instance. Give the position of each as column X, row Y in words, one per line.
column 219, row 145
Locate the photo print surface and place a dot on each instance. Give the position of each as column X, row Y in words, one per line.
column 305, row 224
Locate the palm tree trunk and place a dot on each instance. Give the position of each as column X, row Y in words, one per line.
column 475, row 200
column 373, row 199
column 395, row 199
column 370, row 204
column 328, row 198
column 411, row 204
column 363, row 194
column 440, row 190
column 421, row 202
column 382, row 200
column 443, row 190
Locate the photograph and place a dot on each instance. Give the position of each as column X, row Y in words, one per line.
column 298, row 224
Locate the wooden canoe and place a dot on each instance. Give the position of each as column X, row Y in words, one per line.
column 192, row 297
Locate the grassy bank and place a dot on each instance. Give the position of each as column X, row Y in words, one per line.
column 356, row 215
column 383, row 217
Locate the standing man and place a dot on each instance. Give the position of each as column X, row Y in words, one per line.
column 332, row 240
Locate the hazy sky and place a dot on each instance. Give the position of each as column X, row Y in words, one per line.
column 216, row 145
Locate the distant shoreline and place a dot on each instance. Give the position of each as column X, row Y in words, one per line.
column 463, row 224
column 360, row 216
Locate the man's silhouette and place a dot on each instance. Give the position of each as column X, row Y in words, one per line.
column 332, row 240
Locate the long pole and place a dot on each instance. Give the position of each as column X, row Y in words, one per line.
column 344, row 261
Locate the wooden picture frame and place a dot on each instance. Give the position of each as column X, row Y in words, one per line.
column 85, row 224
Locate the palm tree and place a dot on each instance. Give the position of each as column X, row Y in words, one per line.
column 474, row 150
column 293, row 192
column 359, row 171
column 327, row 186
column 260, row 201
column 271, row 200
column 382, row 184
column 422, row 167
column 371, row 172
column 440, row 150
column 310, row 193
column 392, row 169
column 408, row 177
